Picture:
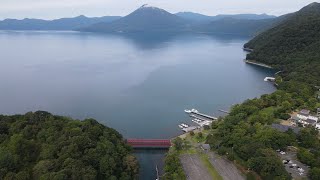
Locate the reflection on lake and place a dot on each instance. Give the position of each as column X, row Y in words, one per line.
column 139, row 85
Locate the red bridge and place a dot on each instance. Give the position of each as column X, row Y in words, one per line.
column 149, row 143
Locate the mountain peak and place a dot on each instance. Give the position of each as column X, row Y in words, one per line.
column 311, row 7
column 147, row 6
column 81, row 16
column 313, row 4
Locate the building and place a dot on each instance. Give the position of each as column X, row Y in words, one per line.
column 303, row 114
column 304, row 118
column 284, row 128
column 205, row 147
column 310, row 122
column 295, row 119
column 313, row 118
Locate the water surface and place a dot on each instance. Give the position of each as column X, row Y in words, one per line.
column 137, row 85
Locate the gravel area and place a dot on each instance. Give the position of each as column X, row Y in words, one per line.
column 225, row 168
column 293, row 170
column 194, row 168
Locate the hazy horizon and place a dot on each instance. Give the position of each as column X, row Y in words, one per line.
column 51, row 9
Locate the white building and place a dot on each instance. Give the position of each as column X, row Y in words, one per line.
column 303, row 114
column 313, row 118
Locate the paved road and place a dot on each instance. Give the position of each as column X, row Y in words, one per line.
column 225, row 168
column 194, row 168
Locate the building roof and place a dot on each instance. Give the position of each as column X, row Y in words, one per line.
column 295, row 118
column 313, row 117
column 284, row 128
column 311, row 121
column 206, row 146
column 305, row 112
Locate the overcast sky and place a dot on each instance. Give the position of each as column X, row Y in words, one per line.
column 51, row 9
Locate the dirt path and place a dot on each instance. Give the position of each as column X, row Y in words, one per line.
column 194, row 168
column 225, row 168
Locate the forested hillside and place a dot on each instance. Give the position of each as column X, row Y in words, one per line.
column 246, row 135
column 292, row 46
column 43, row 146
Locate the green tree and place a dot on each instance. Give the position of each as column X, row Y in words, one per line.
column 178, row 143
column 191, row 133
column 314, row 173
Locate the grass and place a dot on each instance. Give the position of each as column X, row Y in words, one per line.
column 188, row 151
column 213, row 172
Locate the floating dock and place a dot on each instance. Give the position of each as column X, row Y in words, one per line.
column 248, row 49
column 203, row 115
column 191, row 128
column 221, row 110
column 257, row 64
column 272, row 79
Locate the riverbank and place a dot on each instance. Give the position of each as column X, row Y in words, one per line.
column 257, row 63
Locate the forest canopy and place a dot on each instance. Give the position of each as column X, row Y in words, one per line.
column 246, row 134
column 44, row 146
column 293, row 46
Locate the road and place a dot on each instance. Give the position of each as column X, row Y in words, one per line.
column 194, row 168
column 225, row 168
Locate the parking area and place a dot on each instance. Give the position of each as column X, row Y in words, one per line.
column 293, row 165
column 226, row 169
column 194, row 168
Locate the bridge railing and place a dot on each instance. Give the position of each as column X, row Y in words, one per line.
column 149, row 143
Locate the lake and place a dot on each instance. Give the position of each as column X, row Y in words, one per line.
column 137, row 85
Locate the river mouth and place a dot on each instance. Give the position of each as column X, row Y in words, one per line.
column 138, row 86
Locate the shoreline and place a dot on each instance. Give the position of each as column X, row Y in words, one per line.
column 258, row 64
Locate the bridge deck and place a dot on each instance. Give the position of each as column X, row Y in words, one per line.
column 149, row 143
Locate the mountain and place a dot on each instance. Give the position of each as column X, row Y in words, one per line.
column 58, row 24
column 196, row 17
column 236, row 26
column 244, row 16
column 151, row 19
column 144, row 19
column 292, row 46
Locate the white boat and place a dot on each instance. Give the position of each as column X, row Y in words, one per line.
column 272, row 79
column 198, row 120
column 194, row 111
column 180, row 126
column 187, row 111
column 184, row 125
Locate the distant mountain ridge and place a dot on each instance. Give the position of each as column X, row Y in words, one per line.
column 57, row 24
column 145, row 18
column 150, row 19
column 153, row 19
column 204, row 18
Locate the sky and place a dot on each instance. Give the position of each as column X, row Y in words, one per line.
column 52, row 9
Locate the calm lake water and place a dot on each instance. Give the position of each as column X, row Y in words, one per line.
column 137, row 85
